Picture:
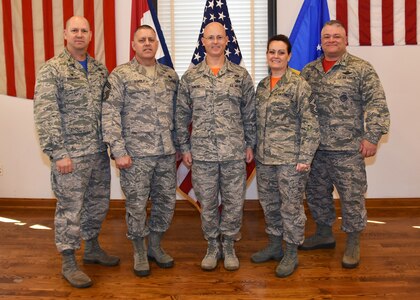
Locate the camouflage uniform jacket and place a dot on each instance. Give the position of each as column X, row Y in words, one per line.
column 67, row 107
column 349, row 98
column 287, row 124
column 222, row 111
column 138, row 111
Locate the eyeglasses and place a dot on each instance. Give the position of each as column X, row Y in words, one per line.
column 219, row 38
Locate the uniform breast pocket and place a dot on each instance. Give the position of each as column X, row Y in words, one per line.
column 170, row 87
column 235, row 93
column 198, row 93
column 233, row 106
column 170, row 92
column 198, row 98
column 74, row 95
column 281, row 111
column 166, row 115
column 73, row 82
column 345, row 92
column 136, row 90
column 78, row 124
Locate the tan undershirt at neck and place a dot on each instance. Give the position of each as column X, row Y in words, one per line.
column 150, row 70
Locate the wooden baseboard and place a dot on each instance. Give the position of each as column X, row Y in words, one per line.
column 184, row 205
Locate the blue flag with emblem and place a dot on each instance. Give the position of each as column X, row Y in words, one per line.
column 217, row 11
column 306, row 33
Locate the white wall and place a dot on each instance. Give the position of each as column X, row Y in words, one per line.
column 394, row 172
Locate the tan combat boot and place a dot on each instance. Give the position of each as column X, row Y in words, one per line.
column 141, row 264
column 322, row 239
column 273, row 251
column 213, row 254
column 156, row 253
column 231, row 262
column 351, row 256
column 289, row 262
column 95, row 255
column 71, row 271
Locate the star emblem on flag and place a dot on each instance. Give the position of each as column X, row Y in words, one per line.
column 218, row 13
column 197, row 57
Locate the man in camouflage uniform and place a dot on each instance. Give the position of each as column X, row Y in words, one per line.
column 287, row 138
column 218, row 97
column 138, row 125
column 67, row 111
column 353, row 115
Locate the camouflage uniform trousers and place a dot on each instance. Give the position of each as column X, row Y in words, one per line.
column 153, row 176
column 82, row 199
column 346, row 171
column 228, row 177
column 281, row 189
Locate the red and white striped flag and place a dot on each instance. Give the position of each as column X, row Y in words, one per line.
column 31, row 32
column 378, row 22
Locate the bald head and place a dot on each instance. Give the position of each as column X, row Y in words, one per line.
column 78, row 36
column 77, row 19
column 215, row 40
column 214, row 27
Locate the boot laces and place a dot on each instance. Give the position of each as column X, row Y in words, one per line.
column 212, row 249
column 70, row 264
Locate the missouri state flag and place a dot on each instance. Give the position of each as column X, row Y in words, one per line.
column 143, row 13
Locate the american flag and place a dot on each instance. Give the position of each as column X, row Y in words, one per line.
column 143, row 13
column 378, row 22
column 31, row 32
column 217, row 11
column 214, row 11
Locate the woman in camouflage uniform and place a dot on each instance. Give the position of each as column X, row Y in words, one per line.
column 287, row 137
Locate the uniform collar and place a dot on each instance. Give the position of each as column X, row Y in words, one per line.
column 142, row 70
column 71, row 61
column 284, row 79
column 343, row 61
column 203, row 68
